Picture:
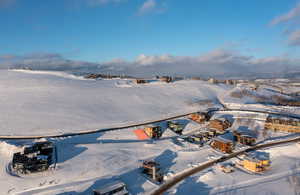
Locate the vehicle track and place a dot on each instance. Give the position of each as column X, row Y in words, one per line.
column 15, row 137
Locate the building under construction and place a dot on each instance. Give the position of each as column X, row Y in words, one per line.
column 153, row 131
column 34, row 158
column 282, row 124
column 175, row 127
column 152, row 170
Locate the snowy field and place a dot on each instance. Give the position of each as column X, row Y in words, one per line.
column 45, row 103
column 89, row 161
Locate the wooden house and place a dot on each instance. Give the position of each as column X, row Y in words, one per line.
column 222, row 144
column 244, row 138
column 230, row 82
column 140, row 81
column 220, row 125
column 198, row 117
column 92, row 76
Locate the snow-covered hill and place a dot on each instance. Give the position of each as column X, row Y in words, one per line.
column 39, row 103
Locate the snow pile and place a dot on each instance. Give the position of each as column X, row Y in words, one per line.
column 8, row 150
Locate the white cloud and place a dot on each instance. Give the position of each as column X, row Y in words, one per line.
column 149, row 60
column 219, row 62
column 150, row 6
column 292, row 14
column 294, row 38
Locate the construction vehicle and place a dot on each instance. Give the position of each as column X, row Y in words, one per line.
column 153, row 131
column 175, row 126
column 152, row 170
column 34, row 158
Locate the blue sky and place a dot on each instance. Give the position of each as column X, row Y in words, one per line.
column 101, row 30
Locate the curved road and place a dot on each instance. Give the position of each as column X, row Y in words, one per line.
column 12, row 137
column 188, row 172
column 92, row 131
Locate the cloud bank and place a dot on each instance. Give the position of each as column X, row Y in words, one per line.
column 218, row 63
column 43, row 61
